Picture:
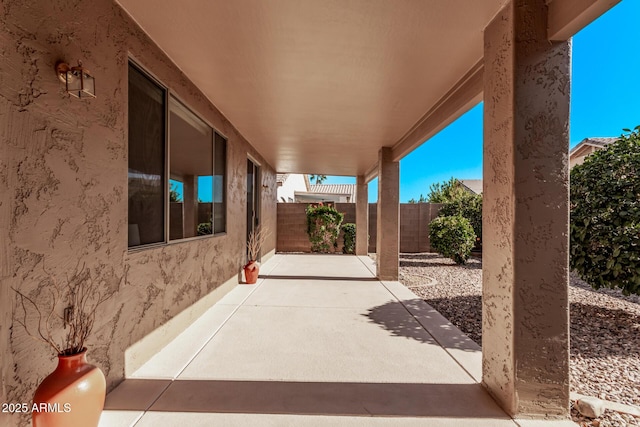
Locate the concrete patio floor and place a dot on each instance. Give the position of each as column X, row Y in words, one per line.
column 318, row 341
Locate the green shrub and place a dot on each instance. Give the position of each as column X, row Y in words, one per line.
column 323, row 227
column 204, row 228
column 349, row 230
column 605, row 216
column 453, row 237
column 468, row 206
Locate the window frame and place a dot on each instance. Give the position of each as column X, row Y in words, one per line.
column 168, row 95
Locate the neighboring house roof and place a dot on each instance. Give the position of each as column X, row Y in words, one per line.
column 598, row 142
column 316, row 191
column 472, row 185
column 587, row 146
column 328, row 192
column 343, row 189
column 281, row 178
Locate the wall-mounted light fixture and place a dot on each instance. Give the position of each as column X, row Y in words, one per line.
column 79, row 82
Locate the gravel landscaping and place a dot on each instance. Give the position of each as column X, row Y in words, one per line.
column 605, row 328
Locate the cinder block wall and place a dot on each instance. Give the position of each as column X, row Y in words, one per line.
column 292, row 226
column 414, row 226
column 414, row 222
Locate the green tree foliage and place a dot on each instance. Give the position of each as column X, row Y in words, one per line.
column 319, row 179
column 446, row 191
column 453, row 237
column 422, row 199
column 174, row 195
column 605, row 216
column 323, row 227
column 349, row 230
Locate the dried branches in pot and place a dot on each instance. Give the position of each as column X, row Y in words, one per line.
column 257, row 238
column 63, row 315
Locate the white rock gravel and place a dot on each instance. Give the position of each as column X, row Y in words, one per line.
column 605, row 328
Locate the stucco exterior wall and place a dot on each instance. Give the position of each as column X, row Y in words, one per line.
column 63, row 188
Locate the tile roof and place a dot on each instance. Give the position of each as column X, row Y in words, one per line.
column 600, row 142
column 281, row 177
column 347, row 189
column 474, row 185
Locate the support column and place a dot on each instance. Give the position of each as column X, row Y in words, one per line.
column 388, row 229
column 362, row 216
column 525, row 343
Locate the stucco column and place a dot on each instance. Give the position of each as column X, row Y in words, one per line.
column 525, row 342
column 388, row 231
column 362, row 215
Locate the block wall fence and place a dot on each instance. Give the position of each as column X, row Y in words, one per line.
column 414, row 221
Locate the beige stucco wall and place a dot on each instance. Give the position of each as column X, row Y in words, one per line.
column 63, row 187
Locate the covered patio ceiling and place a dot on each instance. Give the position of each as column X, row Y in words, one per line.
column 320, row 86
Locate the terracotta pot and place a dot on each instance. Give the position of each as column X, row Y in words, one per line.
column 251, row 271
column 71, row 396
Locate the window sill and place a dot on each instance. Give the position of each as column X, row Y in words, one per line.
column 152, row 246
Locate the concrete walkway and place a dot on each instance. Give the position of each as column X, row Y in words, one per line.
column 318, row 341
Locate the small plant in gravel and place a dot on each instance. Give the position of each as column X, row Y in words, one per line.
column 458, row 201
column 323, row 227
column 468, row 206
column 349, row 230
column 453, row 237
column 605, row 216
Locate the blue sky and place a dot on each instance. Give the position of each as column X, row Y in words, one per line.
column 605, row 98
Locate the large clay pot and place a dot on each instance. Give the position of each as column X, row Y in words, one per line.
column 71, row 396
column 251, row 271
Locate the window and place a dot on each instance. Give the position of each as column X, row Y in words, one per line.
column 220, row 185
column 194, row 194
column 191, row 174
column 146, row 160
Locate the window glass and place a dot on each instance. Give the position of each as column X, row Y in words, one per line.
column 219, row 186
column 146, row 160
column 196, row 157
column 191, row 174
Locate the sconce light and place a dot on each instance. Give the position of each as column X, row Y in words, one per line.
column 79, row 82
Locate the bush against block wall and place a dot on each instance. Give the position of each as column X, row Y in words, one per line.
column 323, row 227
column 453, row 237
column 349, row 230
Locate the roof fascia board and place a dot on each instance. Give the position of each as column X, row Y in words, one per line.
column 371, row 174
column 567, row 17
column 464, row 95
column 583, row 144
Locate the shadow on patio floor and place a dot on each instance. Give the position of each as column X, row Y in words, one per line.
column 311, row 398
column 410, row 327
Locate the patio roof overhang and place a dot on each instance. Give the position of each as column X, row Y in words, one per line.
column 321, row 86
